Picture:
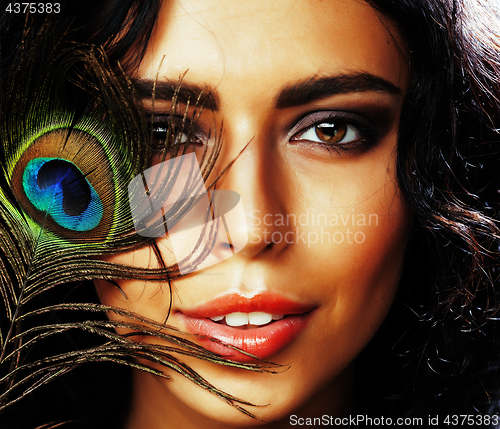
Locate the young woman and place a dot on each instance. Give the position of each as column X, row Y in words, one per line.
column 360, row 139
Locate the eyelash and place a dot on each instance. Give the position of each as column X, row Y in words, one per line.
column 365, row 134
column 306, row 131
column 160, row 126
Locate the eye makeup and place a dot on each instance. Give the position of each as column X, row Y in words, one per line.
column 343, row 132
column 349, row 129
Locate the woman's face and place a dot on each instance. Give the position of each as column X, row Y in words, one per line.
column 316, row 87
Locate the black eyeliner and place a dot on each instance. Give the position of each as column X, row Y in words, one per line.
column 370, row 133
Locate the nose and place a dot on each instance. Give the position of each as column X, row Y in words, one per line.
column 257, row 175
column 242, row 216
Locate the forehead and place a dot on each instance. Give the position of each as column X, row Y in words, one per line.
column 271, row 43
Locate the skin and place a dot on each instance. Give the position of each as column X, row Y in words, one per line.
column 246, row 53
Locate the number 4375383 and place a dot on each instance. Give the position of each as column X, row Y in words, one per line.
column 33, row 8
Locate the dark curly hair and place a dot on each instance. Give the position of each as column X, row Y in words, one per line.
column 448, row 171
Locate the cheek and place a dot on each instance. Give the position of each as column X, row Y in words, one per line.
column 367, row 280
column 357, row 218
column 355, row 263
column 150, row 300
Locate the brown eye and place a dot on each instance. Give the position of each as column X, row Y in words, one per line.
column 160, row 133
column 331, row 133
column 170, row 138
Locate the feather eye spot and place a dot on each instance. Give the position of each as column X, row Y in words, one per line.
column 59, row 188
column 70, row 181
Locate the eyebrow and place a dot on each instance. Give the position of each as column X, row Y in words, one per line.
column 299, row 94
column 185, row 92
column 315, row 89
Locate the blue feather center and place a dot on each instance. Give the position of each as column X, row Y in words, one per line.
column 58, row 187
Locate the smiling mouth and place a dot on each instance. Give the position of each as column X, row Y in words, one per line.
column 262, row 325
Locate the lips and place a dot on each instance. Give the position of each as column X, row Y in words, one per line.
column 287, row 319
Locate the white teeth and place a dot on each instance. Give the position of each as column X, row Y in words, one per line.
column 237, row 319
column 254, row 318
column 259, row 318
column 217, row 319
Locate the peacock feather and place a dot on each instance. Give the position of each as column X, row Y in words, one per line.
column 73, row 135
